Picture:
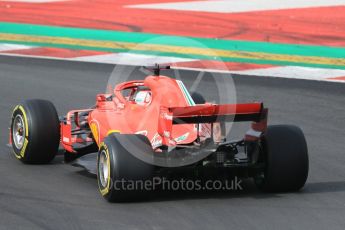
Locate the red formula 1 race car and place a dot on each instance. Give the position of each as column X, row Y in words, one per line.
column 154, row 127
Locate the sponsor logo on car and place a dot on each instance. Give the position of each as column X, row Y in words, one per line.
column 182, row 138
column 156, row 141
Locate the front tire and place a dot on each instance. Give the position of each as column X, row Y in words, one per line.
column 286, row 159
column 121, row 175
column 35, row 131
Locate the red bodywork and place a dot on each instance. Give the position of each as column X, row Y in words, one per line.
column 169, row 117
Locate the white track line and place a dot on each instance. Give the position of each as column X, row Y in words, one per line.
column 236, row 6
column 10, row 47
column 296, row 72
column 131, row 59
column 273, row 74
column 255, row 72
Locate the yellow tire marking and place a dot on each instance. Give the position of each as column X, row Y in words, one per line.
column 22, row 151
column 106, row 189
column 113, row 131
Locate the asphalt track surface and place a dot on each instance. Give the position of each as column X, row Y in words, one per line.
column 59, row 196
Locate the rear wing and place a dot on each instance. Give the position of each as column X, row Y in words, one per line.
column 211, row 113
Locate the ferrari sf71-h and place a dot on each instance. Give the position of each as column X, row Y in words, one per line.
column 155, row 127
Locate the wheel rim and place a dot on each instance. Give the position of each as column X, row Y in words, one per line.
column 18, row 131
column 103, row 170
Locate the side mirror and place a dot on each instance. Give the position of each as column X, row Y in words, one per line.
column 105, row 101
column 104, row 97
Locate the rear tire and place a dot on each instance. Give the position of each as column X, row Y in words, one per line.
column 35, row 131
column 118, row 169
column 286, row 159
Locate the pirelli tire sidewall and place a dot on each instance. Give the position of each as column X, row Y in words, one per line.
column 124, row 166
column 42, row 134
column 20, row 153
column 107, row 189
